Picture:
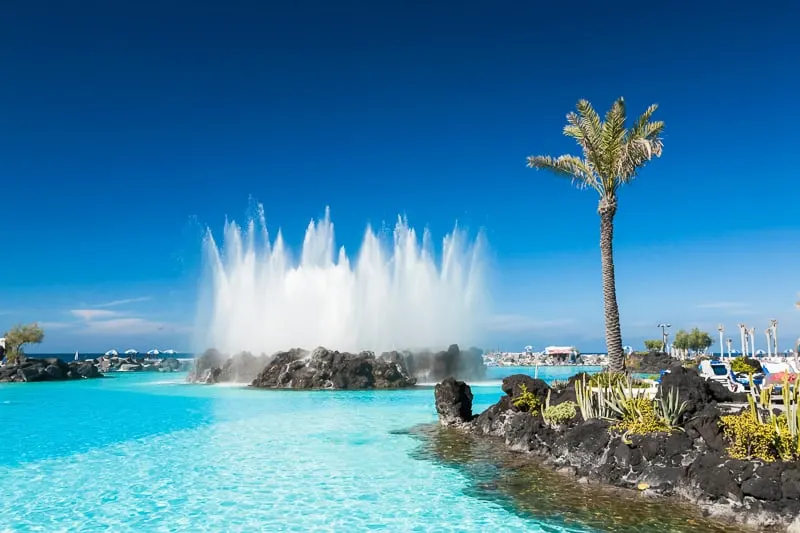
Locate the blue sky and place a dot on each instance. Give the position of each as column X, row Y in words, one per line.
column 126, row 127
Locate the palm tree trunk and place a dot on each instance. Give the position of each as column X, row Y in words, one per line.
column 616, row 357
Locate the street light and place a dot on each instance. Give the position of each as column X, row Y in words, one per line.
column 664, row 335
column 721, row 330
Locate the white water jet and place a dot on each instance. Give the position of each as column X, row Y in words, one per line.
column 394, row 296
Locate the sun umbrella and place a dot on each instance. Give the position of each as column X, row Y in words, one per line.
column 778, row 377
column 131, row 352
column 112, row 353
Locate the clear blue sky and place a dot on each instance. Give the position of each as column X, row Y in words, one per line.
column 125, row 127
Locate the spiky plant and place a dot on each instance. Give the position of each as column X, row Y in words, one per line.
column 612, row 157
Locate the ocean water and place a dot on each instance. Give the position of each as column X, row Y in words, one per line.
column 147, row 452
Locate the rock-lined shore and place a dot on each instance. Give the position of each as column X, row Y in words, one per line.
column 329, row 369
column 690, row 463
column 54, row 369
column 49, row 369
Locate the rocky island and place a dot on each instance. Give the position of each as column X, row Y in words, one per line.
column 690, row 457
column 328, row 369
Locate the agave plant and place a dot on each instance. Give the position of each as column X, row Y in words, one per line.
column 626, row 403
column 670, row 408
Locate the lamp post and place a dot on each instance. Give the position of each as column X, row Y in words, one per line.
column 752, row 333
column 730, row 342
column 664, row 335
column 721, row 330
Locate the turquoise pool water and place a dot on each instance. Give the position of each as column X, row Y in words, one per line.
column 146, row 452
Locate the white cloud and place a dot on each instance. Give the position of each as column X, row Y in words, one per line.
column 132, row 326
column 522, row 323
column 115, row 303
column 92, row 314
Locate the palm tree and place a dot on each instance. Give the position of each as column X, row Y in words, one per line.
column 612, row 157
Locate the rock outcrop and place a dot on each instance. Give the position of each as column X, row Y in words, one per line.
column 453, row 402
column 213, row 367
column 48, row 369
column 389, row 370
column 689, row 463
column 650, row 362
column 453, row 362
column 328, row 369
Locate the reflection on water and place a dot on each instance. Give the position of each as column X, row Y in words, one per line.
column 515, row 482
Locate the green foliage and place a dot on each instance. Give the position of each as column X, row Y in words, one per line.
column 639, row 418
column 630, row 408
column 653, row 345
column 562, row 413
column 526, row 401
column 612, row 379
column 559, row 384
column 694, row 340
column 670, row 408
column 750, row 437
column 20, row 335
column 592, row 401
column 641, row 415
column 762, row 434
column 740, row 366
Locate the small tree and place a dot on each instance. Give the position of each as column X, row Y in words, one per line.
column 695, row 340
column 20, row 335
column 700, row 341
column 653, row 345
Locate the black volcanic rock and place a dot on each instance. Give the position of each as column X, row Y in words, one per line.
column 696, row 390
column 453, row 402
column 650, row 362
column 379, row 372
column 512, row 385
column 214, row 367
column 328, row 369
column 453, row 362
column 48, row 369
column 690, row 462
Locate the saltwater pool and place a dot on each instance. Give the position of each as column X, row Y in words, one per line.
column 146, row 452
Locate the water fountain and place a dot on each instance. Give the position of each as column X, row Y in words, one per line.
column 393, row 295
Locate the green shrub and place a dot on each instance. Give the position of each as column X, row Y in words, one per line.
column 559, row 384
column 740, row 365
column 612, row 379
column 762, row 434
column 750, row 437
column 562, row 413
column 526, row 401
column 640, row 418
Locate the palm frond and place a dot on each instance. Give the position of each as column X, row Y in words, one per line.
column 566, row 166
column 613, row 143
column 585, row 135
column 642, row 142
column 612, row 154
column 638, row 129
column 590, row 120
